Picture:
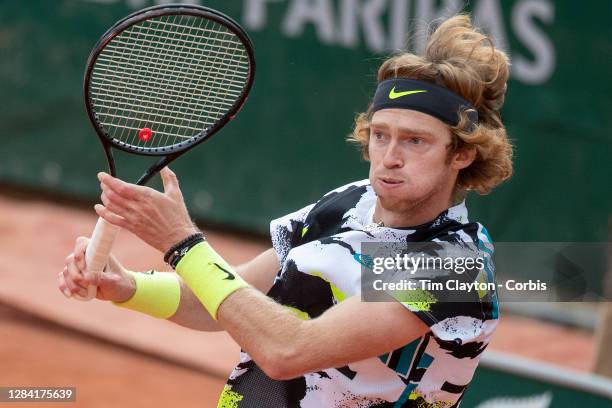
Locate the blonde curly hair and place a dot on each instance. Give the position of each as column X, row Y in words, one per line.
column 464, row 60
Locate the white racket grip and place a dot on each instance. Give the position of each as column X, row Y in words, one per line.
column 98, row 251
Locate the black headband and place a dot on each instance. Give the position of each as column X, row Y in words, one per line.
column 424, row 97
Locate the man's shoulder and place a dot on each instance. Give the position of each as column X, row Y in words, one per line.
column 344, row 198
column 464, row 232
column 328, row 215
column 349, row 187
column 455, row 224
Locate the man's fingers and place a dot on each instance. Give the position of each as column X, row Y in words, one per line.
column 61, row 284
column 93, row 278
column 69, row 259
column 66, row 291
column 126, row 190
column 79, row 260
column 115, row 203
column 110, row 216
column 74, row 280
column 81, row 242
column 79, row 252
column 71, row 271
column 73, row 274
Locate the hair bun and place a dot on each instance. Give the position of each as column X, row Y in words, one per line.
column 469, row 63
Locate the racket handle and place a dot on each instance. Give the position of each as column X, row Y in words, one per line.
column 98, row 251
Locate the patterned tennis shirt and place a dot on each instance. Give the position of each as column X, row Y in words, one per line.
column 319, row 251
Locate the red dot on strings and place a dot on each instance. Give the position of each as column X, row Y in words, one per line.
column 145, row 134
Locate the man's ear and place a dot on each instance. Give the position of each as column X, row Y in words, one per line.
column 463, row 157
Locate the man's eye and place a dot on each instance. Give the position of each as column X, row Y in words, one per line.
column 416, row 140
column 378, row 136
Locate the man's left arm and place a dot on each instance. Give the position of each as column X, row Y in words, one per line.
column 285, row 346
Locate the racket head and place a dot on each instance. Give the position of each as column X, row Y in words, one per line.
column 166, row 78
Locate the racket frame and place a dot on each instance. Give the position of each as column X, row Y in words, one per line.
column 169, row 153
column 104, row 233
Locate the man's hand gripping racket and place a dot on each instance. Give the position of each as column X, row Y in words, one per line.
column 158, row 83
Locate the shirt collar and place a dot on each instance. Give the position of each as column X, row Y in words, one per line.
column 458, row 213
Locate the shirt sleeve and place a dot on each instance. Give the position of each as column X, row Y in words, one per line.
column 454, row 314
column 286, row 231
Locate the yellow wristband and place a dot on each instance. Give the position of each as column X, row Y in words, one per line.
column 210, row 278
column 158, row 294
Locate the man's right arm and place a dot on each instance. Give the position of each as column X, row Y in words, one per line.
column 118, row 285
column 258, row 272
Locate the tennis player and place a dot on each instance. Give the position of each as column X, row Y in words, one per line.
column 432, row 132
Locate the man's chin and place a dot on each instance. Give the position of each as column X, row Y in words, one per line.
column 395, row 201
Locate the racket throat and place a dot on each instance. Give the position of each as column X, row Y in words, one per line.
column 154, row 169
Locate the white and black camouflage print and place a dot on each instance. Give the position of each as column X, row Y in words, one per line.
column 319, row 252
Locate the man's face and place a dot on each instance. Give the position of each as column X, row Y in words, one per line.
column 408, row 158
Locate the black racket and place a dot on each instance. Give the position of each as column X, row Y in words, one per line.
column 158, row 83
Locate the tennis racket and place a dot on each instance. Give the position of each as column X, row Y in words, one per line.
column 158, row 83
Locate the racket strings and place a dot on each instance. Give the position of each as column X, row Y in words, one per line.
column 122, row 46
column 177, row 75
column 173, row 87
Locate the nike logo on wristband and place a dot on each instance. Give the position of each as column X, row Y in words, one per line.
column 230, row 276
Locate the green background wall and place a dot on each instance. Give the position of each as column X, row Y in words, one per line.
column 317, row 61
column 503, row 381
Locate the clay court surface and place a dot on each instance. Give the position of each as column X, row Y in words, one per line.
column 120, row 358
column 36, row 352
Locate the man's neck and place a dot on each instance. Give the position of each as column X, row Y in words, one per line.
column 419, row 213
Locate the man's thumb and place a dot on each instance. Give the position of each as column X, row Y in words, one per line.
column 171, row 186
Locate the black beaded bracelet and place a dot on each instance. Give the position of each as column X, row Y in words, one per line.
column 181, row 243
column 178, row 250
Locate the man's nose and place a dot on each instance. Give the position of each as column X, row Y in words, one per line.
column 393, row 156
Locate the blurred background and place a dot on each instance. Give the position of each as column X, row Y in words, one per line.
column 317, row 62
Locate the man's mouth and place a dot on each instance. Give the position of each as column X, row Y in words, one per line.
column 389, row 181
